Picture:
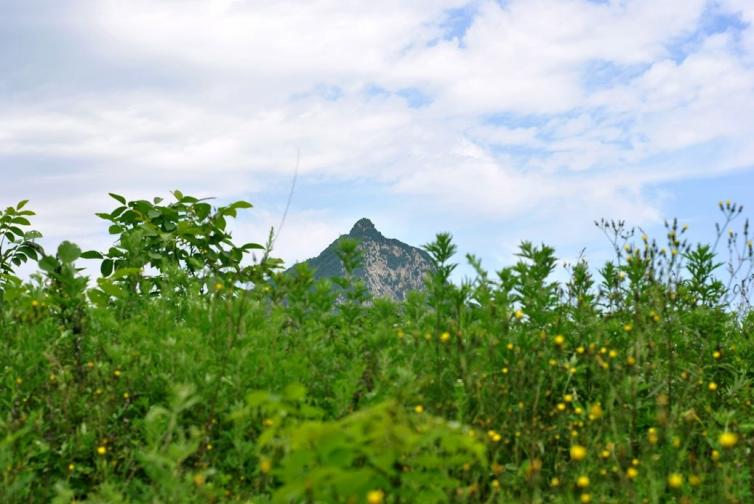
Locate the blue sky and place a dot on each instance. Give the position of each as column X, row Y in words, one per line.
column 498, row 121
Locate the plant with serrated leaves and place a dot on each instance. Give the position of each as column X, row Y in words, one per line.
column 188, row 233
column 17, row 245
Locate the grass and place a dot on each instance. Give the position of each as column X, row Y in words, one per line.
column 229, row 383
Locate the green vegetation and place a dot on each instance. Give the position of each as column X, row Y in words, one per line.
column 189, row 373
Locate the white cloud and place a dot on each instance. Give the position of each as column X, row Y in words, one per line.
column 513, row 126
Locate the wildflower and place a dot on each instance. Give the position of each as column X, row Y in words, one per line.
column 19, row 381
column 267, row 422
column 715, row 455
column 582, row 481
column 613, row 354
column 559, row 340
column 585, row 498
column 604, row 454
column 428, row 336
column 265, row 466
column 728, row 439
column 555, row 482
column 580, row 350
column 595, row 411
column 509, row 346
column 117, row 373
column 716, row 355
column 630, row 360
column 34, row 303
column 675, row 480
column 445, row 337
column 199, row 479
column 495, row 485
column 578, row 452
column 568, row 398
column 101, row 450
column 635, row 462
column 419, row 409
column 505, row 370
column 71, row 467
column 219, row 286
column 676, row 442
column 695, row 480
column 495, row 437
column 712, row 386
column 561, row 407
column 375, row 496
column 632, row 473
column 628, row 327
column 519, row 314
column 126, row 396
column 578, row 410
column 652, row 436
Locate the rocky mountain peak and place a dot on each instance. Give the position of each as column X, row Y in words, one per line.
column 364, row 228
column 390, row 267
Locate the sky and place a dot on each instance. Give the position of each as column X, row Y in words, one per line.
column 497, row 121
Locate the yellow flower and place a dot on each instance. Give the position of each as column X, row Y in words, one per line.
column 219, row 286
column 716, row 355
column 675, row 480
column 613, row 354
column 375, row 497
column 578, row 452
column 265, row 466
column 632, row 473
column 34, row 303
column 518, row 314
column 582, row 481
column 561, row 406
column 630, row 360
column 715, row 455
column 101, row 450
column 199, row 479
column 652, row 435
column 71, row 467
column 445, row 337
column 712, row 386
column 595, row 411
column 419, row 408
column 555, row 482
column 568, row 398
column 676, row 442
column 585, row 498
column 695, row 480
column 509, row 346
column 580, row 350
column 728, row 439
column 117, row 373
column 605, row 454
column 495, row 484
column 628, row 327
column 559, row 340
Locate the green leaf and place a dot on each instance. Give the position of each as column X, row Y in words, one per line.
column 202, row 210
column 110, row 288
column 91, row 254
column 21, row 221
column 106, row 268
column 115, row 229
column 21, row 204
column 32, row 235
column 241, row 204
column 48, row 264
column 118, row 198
column 68, row 252
column 178, row 194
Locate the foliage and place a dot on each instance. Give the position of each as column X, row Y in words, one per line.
column 181, row 381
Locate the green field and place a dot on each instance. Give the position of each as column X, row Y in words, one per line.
column 194, row 370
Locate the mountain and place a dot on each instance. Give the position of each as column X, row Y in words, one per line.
column 391, row 268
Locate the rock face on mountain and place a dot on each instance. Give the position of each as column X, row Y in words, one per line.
column 391, row 268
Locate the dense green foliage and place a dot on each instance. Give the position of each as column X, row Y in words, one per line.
column 188, row 374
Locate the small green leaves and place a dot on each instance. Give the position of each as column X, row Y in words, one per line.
column 68, row 252
column 118, row 198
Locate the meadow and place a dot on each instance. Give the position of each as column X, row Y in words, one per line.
column 193, row 369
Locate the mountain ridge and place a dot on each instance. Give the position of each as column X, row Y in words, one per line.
column 390, row 267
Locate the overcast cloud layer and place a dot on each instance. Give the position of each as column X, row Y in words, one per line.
column 499, row 121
